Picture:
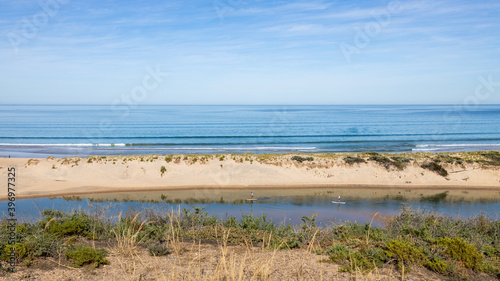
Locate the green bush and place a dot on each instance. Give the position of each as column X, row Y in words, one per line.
column 43, row 244
column 458, row 249
column 157, row 249
column 22, row 250
column 301, row 159
column 438, row 265
column 352, row 160
column 163, row 170
column 435, row 167
column 382, row 160
column 338, row 253
column 405, row 253
column 251, row 222
column 76, row 224
column 81, row 255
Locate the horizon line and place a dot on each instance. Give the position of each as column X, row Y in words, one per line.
column 346, row 104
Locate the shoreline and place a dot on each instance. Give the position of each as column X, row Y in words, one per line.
column 52, row 177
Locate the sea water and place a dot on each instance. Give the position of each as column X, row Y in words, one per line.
column 82, row 130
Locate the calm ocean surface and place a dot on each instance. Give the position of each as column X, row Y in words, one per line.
column 41, row 131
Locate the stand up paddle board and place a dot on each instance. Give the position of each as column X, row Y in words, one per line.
column 251, row 199
column 337, row 202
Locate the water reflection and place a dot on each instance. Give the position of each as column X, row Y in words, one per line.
column 279, row 208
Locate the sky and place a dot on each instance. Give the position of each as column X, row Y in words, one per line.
column 249, row 52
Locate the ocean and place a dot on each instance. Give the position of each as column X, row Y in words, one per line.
column 83, row 130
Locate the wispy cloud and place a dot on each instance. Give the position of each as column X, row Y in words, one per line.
column 94, row 43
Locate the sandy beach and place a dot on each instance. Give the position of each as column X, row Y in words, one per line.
column 101, row 174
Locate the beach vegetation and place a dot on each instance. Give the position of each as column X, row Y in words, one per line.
column 387, row 162
column 158, row 249
column 454, row 248
column 492, row 158
column 163, row 170
column 81, row 255
column 435, row 167
column 352, row 160
column 301, row 159
column 457, row 249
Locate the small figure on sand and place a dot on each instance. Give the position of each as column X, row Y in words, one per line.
column 251, row 194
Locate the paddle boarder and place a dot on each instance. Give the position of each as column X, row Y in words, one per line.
column 339, row 199
column 251, row 194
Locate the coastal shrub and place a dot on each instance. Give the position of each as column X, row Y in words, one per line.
column 168, row 159
column 358, row 262
column 309, row 222
column 74, row 225
column 301, row 159
column 382, row 160
column 401, row 162
column 196, row 218
column 492, row 158
column 81, row 255
column 436, row 264
column 405, row 254
column 352, row 160
column 435, row 167
column 21, row 250
column 447, row 159
column 158, row 249
column 337, row 253
column 458, row 249
column 251, row 222
column 351, row 261
column 163, row 170
column 43, row 244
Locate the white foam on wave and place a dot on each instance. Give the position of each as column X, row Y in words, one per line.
column 63, row 144
column 458, row 144
column 231, row 148
column 155, row 147
column 454, row 146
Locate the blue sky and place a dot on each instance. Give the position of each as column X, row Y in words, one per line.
column 249, row 52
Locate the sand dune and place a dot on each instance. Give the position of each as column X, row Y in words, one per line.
column 71, row 176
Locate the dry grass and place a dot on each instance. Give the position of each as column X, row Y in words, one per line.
column 127, row 237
